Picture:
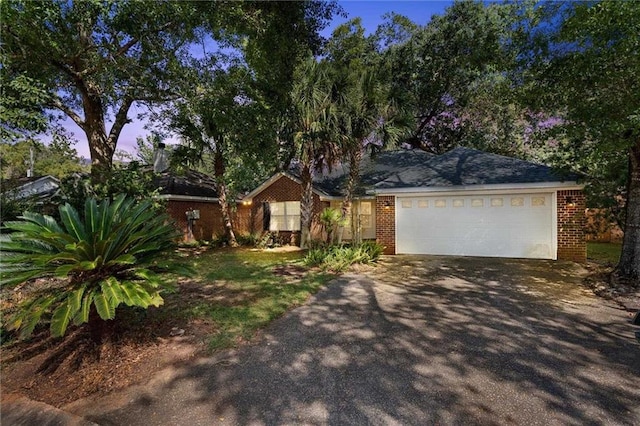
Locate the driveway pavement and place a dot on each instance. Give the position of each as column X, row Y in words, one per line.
column 418, row 340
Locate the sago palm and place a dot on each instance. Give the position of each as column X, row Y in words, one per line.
column 101, row 261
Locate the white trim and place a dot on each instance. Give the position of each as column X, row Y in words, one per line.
column 476, row 189
column 173, row 197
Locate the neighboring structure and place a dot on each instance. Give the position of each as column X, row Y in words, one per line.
column 192, row 201
column 32, row 188
column 464, row 202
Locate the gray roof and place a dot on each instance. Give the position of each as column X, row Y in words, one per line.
column 419, row 169
column 190, row 183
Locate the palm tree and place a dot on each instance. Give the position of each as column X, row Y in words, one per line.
column 369, row 119
column 314, row 124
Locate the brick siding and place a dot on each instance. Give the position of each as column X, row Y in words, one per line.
column 284, row 189
column 571, row 226
column 386, row 223
column 210, row 223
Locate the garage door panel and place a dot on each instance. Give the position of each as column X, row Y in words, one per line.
column 510, row 225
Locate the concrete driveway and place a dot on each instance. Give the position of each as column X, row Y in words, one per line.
column 417, row 340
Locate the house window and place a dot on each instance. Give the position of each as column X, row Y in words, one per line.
column 285, row 216
column 365, row 214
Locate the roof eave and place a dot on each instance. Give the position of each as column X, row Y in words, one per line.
column 533, row 186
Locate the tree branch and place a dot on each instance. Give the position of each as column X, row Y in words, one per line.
column 120, row 121
column 56, row 102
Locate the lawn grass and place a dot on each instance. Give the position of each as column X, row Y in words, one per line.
column 604, row 252
column 253, row 288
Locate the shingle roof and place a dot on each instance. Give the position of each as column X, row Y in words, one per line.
column 458, row 167
column 189, row 183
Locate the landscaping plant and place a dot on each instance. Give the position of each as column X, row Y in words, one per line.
column 92, row 264
column 339, row 257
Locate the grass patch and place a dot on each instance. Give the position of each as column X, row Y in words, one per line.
column 248, row 290
column 604, row 252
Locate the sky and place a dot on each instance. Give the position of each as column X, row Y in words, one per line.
column 371, row 12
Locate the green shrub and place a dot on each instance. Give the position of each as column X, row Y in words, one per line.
column 102, row 260
column 248, row 240
column 339, row 257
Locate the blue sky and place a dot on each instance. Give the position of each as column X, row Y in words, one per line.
column 371, row 12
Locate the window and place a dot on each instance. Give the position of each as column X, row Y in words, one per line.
column 365, row 214
column 285, row 216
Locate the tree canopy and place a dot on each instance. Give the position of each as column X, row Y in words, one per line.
column 91, row 60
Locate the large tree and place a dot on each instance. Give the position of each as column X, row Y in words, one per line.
column 587, row 61
column 96, row 58
column 437, row 69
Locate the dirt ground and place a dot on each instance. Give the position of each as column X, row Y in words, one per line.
column 59, row 371
column 137, row 350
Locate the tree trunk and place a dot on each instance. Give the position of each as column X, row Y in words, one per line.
column 219, row 169
column 629, row 266
column 306, row 205
column 99, row 329
column 355, row 158
column 100, row 146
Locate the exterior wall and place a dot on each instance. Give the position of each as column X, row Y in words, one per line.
column 386, row 223
column 571, row 226
column 284, row 189
column 368, row 232
column 210, row 223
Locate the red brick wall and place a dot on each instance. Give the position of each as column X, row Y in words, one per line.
column 571, row 226
column 210, row 222
column 386, row 223
column 284, row 189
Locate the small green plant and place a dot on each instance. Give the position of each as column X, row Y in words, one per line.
column 331, row 219
column 248, row 240
column 339, row 257
column 102, row 260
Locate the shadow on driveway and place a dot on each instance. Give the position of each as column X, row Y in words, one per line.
column 418, row 340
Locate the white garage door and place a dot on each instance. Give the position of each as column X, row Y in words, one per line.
column 511, row 225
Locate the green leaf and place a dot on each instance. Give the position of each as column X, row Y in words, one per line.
column 105, row 309
column 82, row 316
column 60, row 319
column 91, row 217
column 72, row 222
column 33, row 313
column 111, row 290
